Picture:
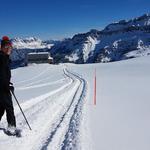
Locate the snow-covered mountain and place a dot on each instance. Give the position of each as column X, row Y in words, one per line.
column 76, row 49
column 30, row 43
column 118, row 41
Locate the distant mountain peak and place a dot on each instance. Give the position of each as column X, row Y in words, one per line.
column 141, row 21
column 117, row 41
column 30, row 43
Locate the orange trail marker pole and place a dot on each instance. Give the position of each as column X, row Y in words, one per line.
column 95, row 88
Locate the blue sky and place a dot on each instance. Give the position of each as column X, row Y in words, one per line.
column 56, row 19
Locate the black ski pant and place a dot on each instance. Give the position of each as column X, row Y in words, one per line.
column 6, row 104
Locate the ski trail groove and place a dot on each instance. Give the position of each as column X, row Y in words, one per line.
column 71, row 139
column 40, row 101
column 38, row 104
column 71, row 134
column 33, row 78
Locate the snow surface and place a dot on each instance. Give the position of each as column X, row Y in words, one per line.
column 120, row 120
column 58, row 103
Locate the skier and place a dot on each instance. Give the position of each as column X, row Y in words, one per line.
column 6, row 86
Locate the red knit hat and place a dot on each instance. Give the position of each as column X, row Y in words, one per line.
column 5, row 38
column 5, row 41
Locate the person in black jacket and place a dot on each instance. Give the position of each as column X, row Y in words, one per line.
column 6, row 86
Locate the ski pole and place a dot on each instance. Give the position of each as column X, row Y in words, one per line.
column 21, row 110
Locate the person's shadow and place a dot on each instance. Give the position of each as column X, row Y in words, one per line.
column 17, row 134
column 3, row 129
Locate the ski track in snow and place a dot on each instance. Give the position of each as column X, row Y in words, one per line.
column 68, row 125
column 59, row 110
column 33, row 78
column 38, row 85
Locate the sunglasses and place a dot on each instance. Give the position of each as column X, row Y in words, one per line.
column 8, row 47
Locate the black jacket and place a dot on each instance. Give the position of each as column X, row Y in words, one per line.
column 5, row 73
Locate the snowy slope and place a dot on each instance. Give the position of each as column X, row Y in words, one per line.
column 120, row 120
column 51, row 98
column 58, row 102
